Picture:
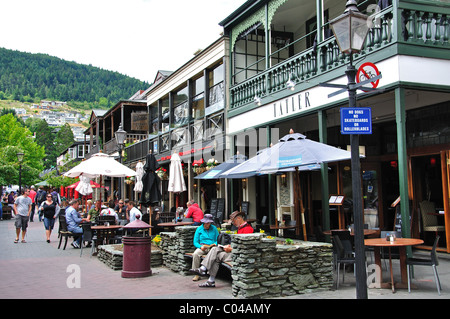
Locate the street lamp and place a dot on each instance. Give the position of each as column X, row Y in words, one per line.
column 121, row 135
column 350, row 30
column 20, row 156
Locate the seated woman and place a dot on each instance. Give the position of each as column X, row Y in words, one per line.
column 110, row 211
column 205, row 237
column 210, row 265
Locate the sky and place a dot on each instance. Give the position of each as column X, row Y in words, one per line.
column 133, row 37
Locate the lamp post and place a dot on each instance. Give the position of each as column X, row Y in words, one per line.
column 121, row 135
column 350, row 30
column 20, row 156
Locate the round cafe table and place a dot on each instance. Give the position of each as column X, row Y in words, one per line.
column 401, row 243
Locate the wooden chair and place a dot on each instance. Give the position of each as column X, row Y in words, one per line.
column 63, row 232
column 6, row 212
column 429, row 218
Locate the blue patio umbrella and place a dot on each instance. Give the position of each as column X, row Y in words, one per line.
column 293, row 150
column 217, row 171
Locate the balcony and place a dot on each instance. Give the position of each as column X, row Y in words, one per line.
column 410, row 28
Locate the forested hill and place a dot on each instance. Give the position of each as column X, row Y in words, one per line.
column 34, row 77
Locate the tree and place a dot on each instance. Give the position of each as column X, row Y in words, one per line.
column 15, row 138
column 64, row 138
column 44, row 137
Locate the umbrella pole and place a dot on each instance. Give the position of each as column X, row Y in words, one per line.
column 302, row 209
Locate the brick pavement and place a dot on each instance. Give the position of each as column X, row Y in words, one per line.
column 38, row 270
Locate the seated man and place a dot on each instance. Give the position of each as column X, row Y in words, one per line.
column 73, row 219
column 205, row 238
column 219, row 254
column 194, row 212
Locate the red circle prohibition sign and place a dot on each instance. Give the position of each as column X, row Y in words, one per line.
column 366, row 71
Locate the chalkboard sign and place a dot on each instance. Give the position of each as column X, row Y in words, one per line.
column 213, row 209
column 244, row 207
column 220, row 209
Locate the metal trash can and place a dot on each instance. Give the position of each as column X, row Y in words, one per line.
column 136, row 251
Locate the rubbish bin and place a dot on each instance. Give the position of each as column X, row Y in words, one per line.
column 136, row 251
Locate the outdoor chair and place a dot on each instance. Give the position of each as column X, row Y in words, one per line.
column 63, row 232
column 429, row 219
column 341, row 257
column 88, row 236
column 432, row 261
column 290, row 233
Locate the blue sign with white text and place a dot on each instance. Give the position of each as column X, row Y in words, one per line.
column 356, row 120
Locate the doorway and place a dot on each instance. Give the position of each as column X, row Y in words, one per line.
column 427, row 180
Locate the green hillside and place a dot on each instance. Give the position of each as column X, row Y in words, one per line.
column 30, row 77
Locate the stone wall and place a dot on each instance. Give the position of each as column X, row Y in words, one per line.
column 262, row 268
column 112, row 256
column 175, row 245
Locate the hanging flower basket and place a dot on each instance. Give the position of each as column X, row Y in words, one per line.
column 162, row 173
column 199, row 166
column 211, row 163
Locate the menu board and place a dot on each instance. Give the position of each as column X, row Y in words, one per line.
column 244, row 207
column 220, row 209
column 336, row 199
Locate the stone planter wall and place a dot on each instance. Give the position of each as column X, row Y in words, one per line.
column 175, row 245
column 263, row 269
column 112, row 256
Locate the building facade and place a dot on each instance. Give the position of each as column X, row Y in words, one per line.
column 276, row 43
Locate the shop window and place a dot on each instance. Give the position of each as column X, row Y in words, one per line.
column 180, row 114
column 198, row 107
column 154, row 118
column 197, row 131
column 165, row 115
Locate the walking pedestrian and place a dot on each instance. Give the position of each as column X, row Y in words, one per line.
column 50, row 210
column 22, row 208
column 41, row 196
column 33, row 202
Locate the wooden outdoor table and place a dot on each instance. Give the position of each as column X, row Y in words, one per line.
column 401, row 243
column 172, row 225
column 106, row 232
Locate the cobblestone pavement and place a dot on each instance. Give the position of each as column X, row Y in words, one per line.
column 39, row 270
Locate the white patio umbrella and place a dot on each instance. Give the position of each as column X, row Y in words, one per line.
column 139, row 173
column 98, row 165
column 176, row 179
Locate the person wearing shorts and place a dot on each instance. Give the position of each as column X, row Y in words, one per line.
column 22, row 209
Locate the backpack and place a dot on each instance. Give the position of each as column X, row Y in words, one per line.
column 41, row 196
column 55, row 198
column 224, row 239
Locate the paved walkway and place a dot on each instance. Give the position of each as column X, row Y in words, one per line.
column 40, row 270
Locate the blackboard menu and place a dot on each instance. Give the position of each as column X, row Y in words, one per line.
column 244, row 207
column 213, row 209
column 220, row 209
